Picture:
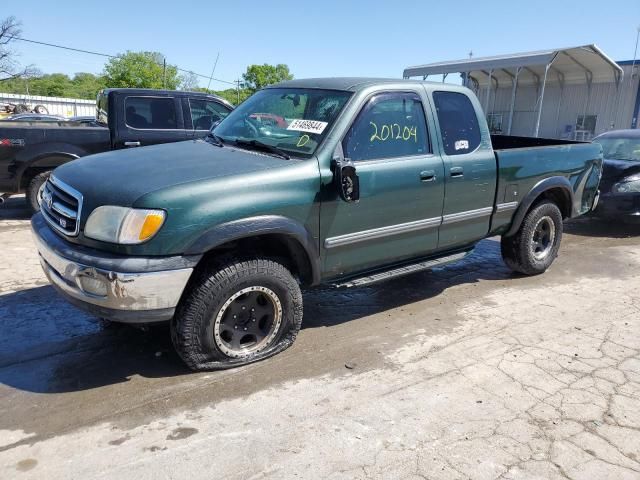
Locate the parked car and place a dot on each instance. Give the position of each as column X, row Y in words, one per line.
column 369, row 180
column 34, row 117
column 125, row 118
column 87, row 119
column 620, row 184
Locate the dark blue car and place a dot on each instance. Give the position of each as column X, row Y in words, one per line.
column 620, row 184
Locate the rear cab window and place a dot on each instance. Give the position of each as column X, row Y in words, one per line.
column 391, row 124
column 151, row 113
column 458, row 122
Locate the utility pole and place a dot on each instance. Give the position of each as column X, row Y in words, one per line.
column 237, row 82
column 164, row 73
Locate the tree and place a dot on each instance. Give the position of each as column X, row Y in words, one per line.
column 9, row 67
column 86, row 85
column 259, row 76
column 189, row 82
column 82, row 85
column 141, row 70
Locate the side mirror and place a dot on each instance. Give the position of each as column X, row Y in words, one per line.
column 345, row 177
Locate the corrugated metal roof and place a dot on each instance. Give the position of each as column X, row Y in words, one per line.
column 571, row 65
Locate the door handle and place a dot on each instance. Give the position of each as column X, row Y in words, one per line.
column 427, row 176
column 456, row 172
column 131, row 144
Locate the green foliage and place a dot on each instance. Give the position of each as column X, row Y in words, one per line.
column 259, row 76
column 141, row 70
column 82, row 85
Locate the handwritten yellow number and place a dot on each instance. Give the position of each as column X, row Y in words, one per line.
column 303, row 140
column 375, row 133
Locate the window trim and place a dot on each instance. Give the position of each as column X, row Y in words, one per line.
column 210, row 100
column 437, row 121
column 151, row 129
column 365, row 103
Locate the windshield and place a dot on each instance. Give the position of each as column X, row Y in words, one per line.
column 293, row 120
column 620, row 148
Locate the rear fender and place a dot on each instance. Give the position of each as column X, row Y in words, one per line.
column 560, row 183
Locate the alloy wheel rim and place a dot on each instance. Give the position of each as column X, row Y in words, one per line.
column 247, row 322
column 544, row 235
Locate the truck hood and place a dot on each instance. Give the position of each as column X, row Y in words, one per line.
column 122, row 176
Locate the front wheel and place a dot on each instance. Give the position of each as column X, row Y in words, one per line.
column 237, row 312
column 535, row 245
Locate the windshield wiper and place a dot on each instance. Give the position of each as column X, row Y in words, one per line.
column 258, row 145
column 216, row 140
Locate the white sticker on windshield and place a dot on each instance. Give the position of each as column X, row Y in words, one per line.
column 311, row 126
column 462, row 145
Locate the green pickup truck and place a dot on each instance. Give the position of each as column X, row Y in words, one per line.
column 340, row 181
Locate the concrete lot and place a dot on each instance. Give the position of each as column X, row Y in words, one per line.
column 465, row 372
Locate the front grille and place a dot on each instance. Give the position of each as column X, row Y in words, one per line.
column 61, row 205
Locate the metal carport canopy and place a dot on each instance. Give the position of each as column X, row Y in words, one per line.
column 581, row 64
column 586, row 64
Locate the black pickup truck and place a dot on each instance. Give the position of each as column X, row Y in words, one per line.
column 125, row 118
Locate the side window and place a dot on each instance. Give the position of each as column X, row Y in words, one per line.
column 205, row 113
column 151, row 113
column 390, row 125
column 458, row 122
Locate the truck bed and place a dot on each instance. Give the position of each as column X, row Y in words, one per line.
column 523, row 162
column 22, row 142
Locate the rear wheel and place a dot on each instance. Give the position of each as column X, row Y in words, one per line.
column 237, row 312
column 535, row 245
column 33, row 190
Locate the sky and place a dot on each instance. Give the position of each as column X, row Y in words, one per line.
column 314, row 38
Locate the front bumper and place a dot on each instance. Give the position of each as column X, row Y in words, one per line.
column 120, row 288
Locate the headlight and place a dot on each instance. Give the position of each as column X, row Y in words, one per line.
column 123, row 225
column 628, row 185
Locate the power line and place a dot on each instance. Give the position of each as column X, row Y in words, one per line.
column 208, row 77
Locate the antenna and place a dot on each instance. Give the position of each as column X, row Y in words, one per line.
column 212, row 71
column 635, row 53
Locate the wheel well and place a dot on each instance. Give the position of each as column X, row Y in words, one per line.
column 280, row 247
column 29, row 174
column 559, row 196
column 42, row 165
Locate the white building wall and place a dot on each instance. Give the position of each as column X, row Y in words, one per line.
column 614, row 107
column 67, row 107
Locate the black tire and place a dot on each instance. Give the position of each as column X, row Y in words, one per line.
column 21, row 108
column 196, row 328
column 32, row 190
column 527, row 251
column 41, row 109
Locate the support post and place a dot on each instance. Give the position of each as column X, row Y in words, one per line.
column 514, row 90
column 486, row 100
column 544, row 82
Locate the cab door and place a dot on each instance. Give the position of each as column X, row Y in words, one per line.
column 470, row 169
column 401, row 188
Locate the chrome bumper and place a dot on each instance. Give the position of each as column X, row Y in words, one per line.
column 116, row 295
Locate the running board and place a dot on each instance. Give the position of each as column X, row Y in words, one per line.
column 401, row 271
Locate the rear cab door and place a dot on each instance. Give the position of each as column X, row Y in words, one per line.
column 148, row 120
column 470, row 169
column 200, row 113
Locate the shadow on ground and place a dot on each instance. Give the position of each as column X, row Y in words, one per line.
column 15, row 208
column 48, row 346
column 594, row 227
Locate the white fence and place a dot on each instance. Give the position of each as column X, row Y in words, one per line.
column 67, row 107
